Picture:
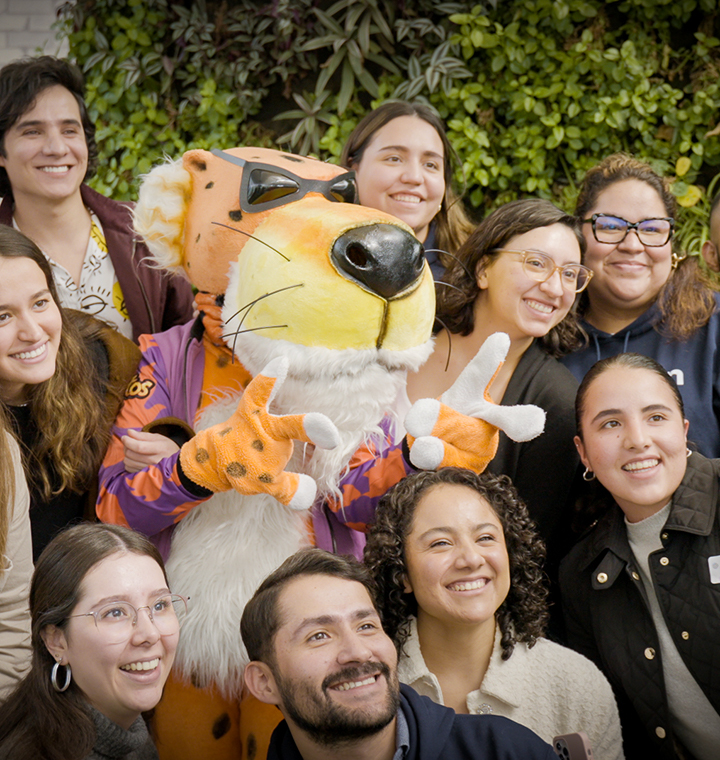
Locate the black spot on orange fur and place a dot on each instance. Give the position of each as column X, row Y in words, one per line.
column 236, row 470
column 235, row 215
column 258, row 445
column 202, row 456
column 294, row 159
column 221, row 726
column 209, row 185
column 201, row 166
column 224, row 432
column 265, row 478
column 251, row 747
column 197, row 239
column 223, row 361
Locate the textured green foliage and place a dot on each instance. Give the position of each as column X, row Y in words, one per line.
column 533, row 91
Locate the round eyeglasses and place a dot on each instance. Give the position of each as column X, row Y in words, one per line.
column 541, row 267
column 614, row 229
column 116, row 620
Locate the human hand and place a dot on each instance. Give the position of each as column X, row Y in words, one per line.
column 144, row 449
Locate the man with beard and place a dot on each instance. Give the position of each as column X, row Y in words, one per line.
column 318, row 652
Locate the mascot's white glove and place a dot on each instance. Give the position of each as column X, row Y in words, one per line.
column 249, row 451
column 460, row 428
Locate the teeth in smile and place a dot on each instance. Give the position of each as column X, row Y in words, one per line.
column 469, row 586
column 55, row 169
column 544, row 308
column 407, row 198
column 149, row 665
column 31, row 354
column 646, row 464
column 355, row 684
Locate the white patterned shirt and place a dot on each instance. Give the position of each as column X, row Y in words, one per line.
column 99, row 292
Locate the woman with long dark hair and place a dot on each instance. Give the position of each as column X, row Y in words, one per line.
column 62, row 374
column 404, row 164
column 104, row 632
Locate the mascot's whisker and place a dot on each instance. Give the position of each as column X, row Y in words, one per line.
column 449, row 334
column 448, row 285
column 239, row 332
column 452, row 256
column 247, row 308
column 252, row 237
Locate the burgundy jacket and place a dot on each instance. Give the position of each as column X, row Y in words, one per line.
column 155, row 300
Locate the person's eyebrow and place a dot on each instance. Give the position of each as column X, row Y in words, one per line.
column 125, row 598
column 40, row 122
column 615, row 412
column 405, row 149
column 326, row 620
column 43, row 292
column 444, row 530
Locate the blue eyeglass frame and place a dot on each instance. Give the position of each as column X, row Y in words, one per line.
column 304, row 185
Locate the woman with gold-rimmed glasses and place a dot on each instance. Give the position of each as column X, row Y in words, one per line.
column 519, row 272
column 105, row 628
column 646, row 296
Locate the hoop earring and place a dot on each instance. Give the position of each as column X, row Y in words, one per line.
column 54, row 676
column 588, row 476
column 688, row 452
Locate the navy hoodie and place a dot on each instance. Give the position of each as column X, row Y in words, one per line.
column 437, row 732
column 694, row 363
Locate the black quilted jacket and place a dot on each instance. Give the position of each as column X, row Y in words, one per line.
column 608, row 619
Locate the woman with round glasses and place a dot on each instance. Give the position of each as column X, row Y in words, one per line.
column 645, row 297
column 104, row 633
column 519, row 272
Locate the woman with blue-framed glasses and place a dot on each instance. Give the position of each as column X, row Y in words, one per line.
column 646, row 296
column 105, row 628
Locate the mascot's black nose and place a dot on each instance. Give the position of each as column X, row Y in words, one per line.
column 383, row 258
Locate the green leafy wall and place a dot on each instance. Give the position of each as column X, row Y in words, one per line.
column 533, row 91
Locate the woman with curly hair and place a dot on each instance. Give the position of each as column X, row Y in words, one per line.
column 645, row 296
column 404, row 164
column 62, row 374
column 458, row 566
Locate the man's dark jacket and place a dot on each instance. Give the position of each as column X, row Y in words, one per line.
column 155, row 300
column 437, row 732
column 608, row 618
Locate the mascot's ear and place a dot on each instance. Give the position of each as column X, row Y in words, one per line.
column 159, row 216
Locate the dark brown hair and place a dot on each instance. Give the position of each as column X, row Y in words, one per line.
column 261, row 616
column 521, row 617
column 456, row 304
column 36, row 721
column 20, row 84
column 687, row 299
column 72, row 430
column 453, row 225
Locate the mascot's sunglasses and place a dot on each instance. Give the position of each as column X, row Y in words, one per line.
column 264, row 186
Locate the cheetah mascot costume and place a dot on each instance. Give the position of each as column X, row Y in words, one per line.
column 313, row 310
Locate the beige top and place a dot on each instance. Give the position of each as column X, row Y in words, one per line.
column 547, row 688
column 17, row 569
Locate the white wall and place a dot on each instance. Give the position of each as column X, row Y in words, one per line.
column 25, row 27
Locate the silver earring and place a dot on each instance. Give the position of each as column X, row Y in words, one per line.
column 687, row 452
column 588, row 475
column 54, row 676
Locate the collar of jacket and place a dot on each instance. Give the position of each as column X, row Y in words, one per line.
column 693, row 511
